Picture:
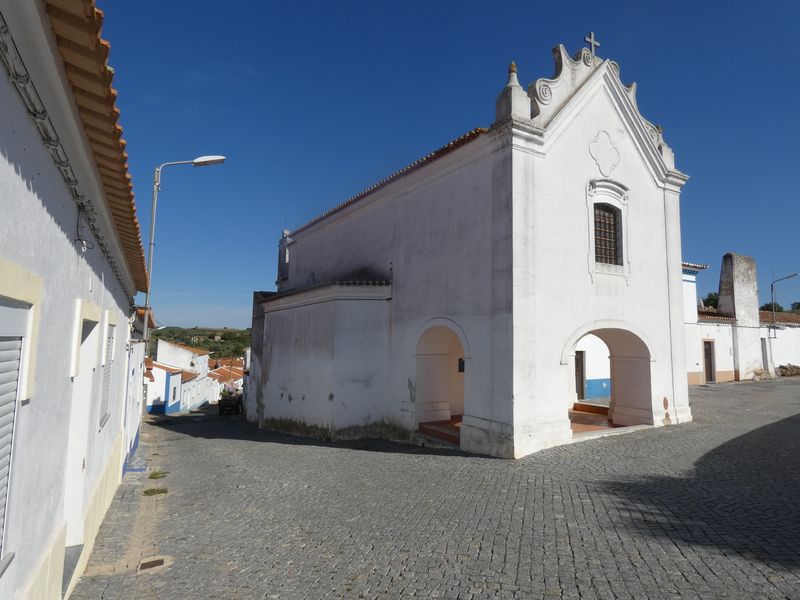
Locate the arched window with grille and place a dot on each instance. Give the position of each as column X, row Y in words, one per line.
column 607, row 234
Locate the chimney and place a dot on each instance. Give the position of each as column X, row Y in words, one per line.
column 738, row 289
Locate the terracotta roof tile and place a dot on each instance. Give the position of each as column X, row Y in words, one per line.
column 77, row 26
column 168, row 368
column 226, row 374
column 192, row 349
column 785, row 318
column 151, row 320
column 711, row 316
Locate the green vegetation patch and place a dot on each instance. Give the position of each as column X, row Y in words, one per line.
column 154, row 491
column 157, row 475
column 222, row 343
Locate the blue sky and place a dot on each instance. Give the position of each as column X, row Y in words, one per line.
column 312, row 102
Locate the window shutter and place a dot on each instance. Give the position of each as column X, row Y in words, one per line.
column 106, row 387
column 10, row 349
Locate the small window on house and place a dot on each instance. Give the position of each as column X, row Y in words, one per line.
column 607, row 234
column 173, row 393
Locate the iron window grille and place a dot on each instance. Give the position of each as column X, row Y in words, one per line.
column 607, row 234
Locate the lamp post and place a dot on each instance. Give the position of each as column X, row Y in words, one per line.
column 200, row 161
column 772, row 292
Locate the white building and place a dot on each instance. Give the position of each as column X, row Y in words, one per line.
column 70, row 262
column 195, row 387
column 735, row 342
column 458, row 289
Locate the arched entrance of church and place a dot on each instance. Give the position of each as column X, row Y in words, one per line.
column 612, row 386
column 439, row 383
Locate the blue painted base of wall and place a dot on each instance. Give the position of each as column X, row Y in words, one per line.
column 173, row 409
column 155, row 409
column 597, row 388
column 131, row 465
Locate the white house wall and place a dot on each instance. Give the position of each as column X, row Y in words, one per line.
column 722, row 336
column 443, row 236
column 294, row 383
column 557, row 297
column 134, row 405
column 597, row 368
column 37, row 234
column 785, row 344
column 156, row 396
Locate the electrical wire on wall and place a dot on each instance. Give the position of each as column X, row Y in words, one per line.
column 83, row 243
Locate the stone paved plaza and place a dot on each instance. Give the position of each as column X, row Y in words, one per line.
column 705, row 510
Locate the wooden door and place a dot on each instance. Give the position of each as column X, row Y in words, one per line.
column 580, row 373
column 708, row 361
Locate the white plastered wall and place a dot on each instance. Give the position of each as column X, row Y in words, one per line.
column 414, row 231
column 556, row 295
column 36, row 238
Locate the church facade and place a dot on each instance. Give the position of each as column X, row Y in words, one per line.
column 458, row 289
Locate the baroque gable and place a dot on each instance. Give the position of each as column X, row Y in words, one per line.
column 552, row 99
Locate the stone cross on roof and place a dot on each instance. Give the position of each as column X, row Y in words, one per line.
column 593, row 43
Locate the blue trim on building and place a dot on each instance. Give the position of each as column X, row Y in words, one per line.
column 597, row 388
column 127, row 466
column 171, row 407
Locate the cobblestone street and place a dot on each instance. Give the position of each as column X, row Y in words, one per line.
column 709, row 509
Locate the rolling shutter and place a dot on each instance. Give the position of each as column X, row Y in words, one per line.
column 106, row 388
column 10, row 349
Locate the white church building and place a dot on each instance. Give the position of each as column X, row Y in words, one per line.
column 458, row 290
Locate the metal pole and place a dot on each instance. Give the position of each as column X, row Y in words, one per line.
column 198, row 162
column 772, row 298
column 146, row 330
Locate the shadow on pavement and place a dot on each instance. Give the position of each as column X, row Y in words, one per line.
column 743, row 496
column 206, row 423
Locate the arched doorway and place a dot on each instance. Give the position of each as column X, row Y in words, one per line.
column 617, row 361
column 439, row 398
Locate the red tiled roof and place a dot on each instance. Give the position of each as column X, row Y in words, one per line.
column 429, row 158
column 168, row 368
column 151, row 319
column 765, row 316
column 711, row 316
column 230, row 361
column 192, row 349
column 77, row 27
column 187, row 375
column 226, row 374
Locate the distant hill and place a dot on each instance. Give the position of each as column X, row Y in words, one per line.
column 220, row 343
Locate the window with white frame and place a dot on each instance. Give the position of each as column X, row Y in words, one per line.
column 607, row 212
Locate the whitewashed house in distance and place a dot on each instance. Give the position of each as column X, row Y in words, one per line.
column 180, row 378
column 71, row 261
column 736, row 341
column 454, row 293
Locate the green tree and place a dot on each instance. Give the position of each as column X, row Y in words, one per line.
column 711, row 300
column 768, row 306
column 795, row 305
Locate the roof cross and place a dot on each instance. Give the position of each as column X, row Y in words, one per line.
column 593, row 43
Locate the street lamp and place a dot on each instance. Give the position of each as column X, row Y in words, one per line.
column 200, row 161
column 772, row 291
